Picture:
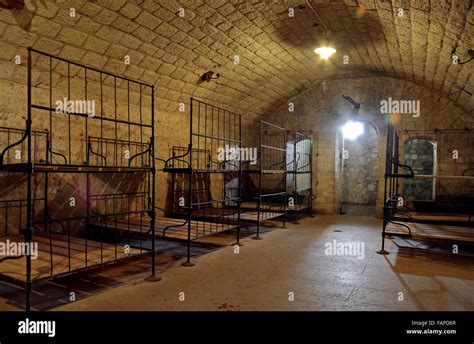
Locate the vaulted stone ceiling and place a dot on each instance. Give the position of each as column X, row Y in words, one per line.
column 275, row 51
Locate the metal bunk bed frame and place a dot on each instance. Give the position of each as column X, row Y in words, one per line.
column 295, row 168
column 271, row 162
column 56, row 162
column 210, row 127
column 396, row 214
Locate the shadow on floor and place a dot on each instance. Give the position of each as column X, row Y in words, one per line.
column 358, row 210
column 439, row 247
column 48, row 294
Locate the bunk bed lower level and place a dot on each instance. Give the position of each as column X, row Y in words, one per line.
column 61, row 150
column 299, row 174
column 448, row 218
column 437, row 221
column 58, row 248
column 175, row 228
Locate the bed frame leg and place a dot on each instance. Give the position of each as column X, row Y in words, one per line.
column 239, row 203
column 28, row 296
column 28, row 283
column 382, row 250
column 237, row 242
column 188, row 261
column 295, row 220
column 257, row 236
column 153, row 278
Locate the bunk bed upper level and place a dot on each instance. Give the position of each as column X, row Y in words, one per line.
column 202, row 161
column 215, row 142
column 299, row 153
column 272, row 150
column 76, row 123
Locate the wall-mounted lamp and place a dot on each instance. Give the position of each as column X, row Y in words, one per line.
column 456, row 59
column 355, row 120
column 208, row 76
column 471, row 54
column 352, row 130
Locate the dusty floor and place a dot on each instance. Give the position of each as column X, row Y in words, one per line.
column 289, row 262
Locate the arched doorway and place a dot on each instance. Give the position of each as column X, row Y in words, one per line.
column 360, row 169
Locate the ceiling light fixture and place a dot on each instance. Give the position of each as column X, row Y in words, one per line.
column 324, row 51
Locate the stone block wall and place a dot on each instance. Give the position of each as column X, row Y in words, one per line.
column 361, row 169
column 420, row 155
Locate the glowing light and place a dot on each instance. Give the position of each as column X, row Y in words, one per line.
column 352, row 130
column 324, row 52
column 395, row 118
column 360, row 12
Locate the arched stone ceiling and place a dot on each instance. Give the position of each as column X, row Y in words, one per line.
column 322, row 107
column 275, row 51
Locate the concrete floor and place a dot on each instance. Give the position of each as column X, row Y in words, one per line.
column 358, row 210
column 292, row 261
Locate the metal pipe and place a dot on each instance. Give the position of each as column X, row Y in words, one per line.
column 326, row 29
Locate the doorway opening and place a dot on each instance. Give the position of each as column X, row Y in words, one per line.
column 360, row 155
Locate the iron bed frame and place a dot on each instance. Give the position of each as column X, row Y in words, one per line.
column 211, row 129
column 399, row 214
column 97, row 153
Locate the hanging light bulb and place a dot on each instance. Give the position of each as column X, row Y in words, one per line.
column 324, row 52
